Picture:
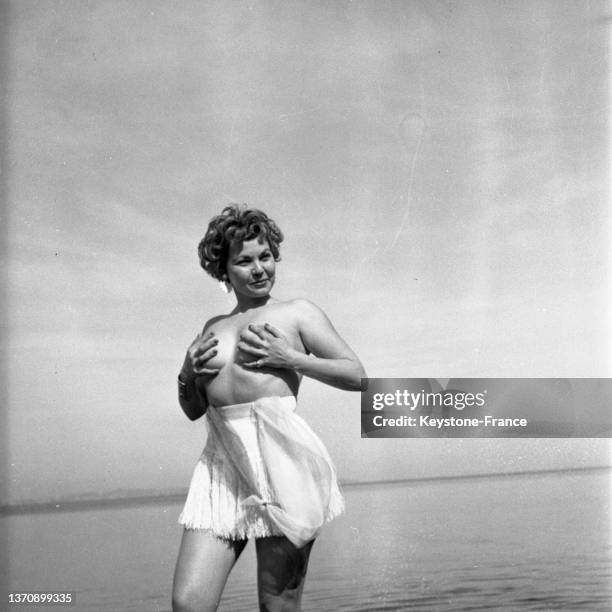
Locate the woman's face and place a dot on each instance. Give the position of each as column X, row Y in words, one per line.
column 251, row 268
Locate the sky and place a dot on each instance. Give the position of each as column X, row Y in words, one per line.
column 440, row 171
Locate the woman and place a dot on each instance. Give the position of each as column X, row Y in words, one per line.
column 263, row 473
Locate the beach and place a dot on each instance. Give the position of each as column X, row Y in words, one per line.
column 507, row 542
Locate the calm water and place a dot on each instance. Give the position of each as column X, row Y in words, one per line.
column 536, row 542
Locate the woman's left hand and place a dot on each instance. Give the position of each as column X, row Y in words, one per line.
column 266, row 346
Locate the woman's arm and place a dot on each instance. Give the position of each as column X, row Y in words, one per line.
column 192, row 402
column 193, row 374
column 329, row 359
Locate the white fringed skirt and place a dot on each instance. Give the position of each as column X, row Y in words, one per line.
column 263, row 472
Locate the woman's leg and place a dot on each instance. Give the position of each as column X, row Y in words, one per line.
column 281, row 573
column 203, row 565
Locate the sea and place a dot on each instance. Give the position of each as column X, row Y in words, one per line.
column 531, row 541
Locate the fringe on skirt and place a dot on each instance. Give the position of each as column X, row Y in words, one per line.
column 214, row 504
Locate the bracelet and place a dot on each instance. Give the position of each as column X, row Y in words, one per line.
column 182, row 388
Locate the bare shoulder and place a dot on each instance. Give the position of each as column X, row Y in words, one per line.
column 317, row 332
column 304, row 309
column 214, row 322
column 305, row 306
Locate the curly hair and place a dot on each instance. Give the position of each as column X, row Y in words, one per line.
column 235, row 223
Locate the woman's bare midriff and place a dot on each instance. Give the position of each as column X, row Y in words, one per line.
column 237, row 384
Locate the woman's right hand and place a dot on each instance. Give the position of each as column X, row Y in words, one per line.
column 200, row 351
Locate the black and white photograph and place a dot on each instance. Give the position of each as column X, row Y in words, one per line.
column 306, row 305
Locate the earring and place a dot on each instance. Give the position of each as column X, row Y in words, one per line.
column 225, row 286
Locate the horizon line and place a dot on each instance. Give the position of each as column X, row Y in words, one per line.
column 147, row 497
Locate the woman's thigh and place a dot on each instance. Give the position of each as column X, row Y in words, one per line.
column 281, row 573
column 203, row 565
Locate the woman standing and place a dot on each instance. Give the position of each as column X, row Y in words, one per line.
column 263, row 474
